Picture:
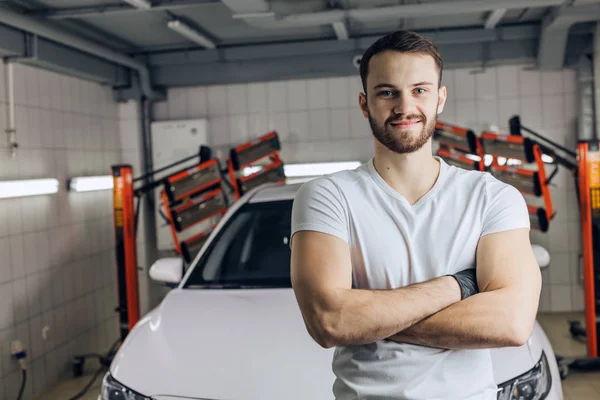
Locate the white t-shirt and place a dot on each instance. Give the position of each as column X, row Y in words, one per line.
column 394, row 244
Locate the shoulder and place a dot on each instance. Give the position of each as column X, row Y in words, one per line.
column 496, row 189
column 484, row 185
column 466, row 180
column 334, row 184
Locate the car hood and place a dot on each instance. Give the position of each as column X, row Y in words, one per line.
column 224, row 344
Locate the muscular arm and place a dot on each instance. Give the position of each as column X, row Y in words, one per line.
column 504, row 311
column 336, row 314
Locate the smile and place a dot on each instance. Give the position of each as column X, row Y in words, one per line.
column 405, row 124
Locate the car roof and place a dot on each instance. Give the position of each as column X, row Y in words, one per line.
column 275, row 192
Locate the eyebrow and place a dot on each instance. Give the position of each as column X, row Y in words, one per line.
column 386, row 85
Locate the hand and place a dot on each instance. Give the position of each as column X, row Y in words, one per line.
column 467, row 281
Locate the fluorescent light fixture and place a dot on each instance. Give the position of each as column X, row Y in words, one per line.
column 494, row 17
column 513, row 161
column 141, row 4
column 29, row 187
column 190, row 33
column 266, row 14
column 91, row 183
column 316, row 169
column 340, row 30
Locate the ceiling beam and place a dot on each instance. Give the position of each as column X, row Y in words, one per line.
column 390, row 13
column 494, row 17
column 12, row 41
column 41, row 28
column 555, row 33
column 323, row 47
column 321, row 58
column 472, row 55
column 247, row 6
column 105, row 10
column 330, row 64
column 52, row 56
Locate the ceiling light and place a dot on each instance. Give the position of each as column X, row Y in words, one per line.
column 494, row 17
column 340, row 30
column 29, row 187
column 141, row 4
column 316, row 169
column 266, row 14
column 90, row 183
column 190, row 33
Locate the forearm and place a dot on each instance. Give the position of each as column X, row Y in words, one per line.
column 486, row 320
column 355, row 316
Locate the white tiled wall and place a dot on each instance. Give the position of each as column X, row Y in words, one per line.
column 319, row 120
column 56, row 251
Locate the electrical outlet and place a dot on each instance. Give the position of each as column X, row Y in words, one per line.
column 16, row 347
column 18, row 352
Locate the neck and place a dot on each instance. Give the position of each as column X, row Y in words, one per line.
column 411, row 175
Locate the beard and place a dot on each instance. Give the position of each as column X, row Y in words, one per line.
column 403, row 142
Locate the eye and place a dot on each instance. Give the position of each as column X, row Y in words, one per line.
column 386, row 93
column 420, row 90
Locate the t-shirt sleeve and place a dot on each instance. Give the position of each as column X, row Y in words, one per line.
column 318, row 206
column 506, row 208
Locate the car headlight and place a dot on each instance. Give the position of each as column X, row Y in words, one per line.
column 113, row 390
column 532, row 385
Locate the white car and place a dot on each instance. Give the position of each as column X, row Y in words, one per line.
column 231, row 328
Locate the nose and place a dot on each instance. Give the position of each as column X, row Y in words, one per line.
column 404, row 103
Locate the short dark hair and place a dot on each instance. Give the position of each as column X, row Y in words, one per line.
column 404, row 42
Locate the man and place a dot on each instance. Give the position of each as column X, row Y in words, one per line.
column 384, row 256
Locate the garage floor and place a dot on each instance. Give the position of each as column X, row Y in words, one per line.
column 577, row 386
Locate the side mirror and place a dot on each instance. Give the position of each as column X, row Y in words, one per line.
column 541, row 255
column 167, row 270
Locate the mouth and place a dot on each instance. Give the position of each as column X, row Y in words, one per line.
column 405, row 123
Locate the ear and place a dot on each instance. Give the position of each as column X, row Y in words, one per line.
column 442, row 94
column 362, row 102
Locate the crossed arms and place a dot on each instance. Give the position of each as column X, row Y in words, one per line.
column 429, row 313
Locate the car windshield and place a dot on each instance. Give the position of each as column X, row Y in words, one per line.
column 252, row 250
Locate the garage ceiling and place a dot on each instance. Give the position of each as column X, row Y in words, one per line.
column 242, row 31
column 146, row 30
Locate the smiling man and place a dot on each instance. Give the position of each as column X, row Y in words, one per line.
column 411, row 268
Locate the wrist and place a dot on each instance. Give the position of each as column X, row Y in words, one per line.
column 453, row 285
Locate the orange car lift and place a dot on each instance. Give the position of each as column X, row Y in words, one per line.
column 197, row 195
column 455, row 143
column 589, row 184
column 586, row 170
column 189, row 196
column 530, row 182
column 124, row 222
column 125, row 225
